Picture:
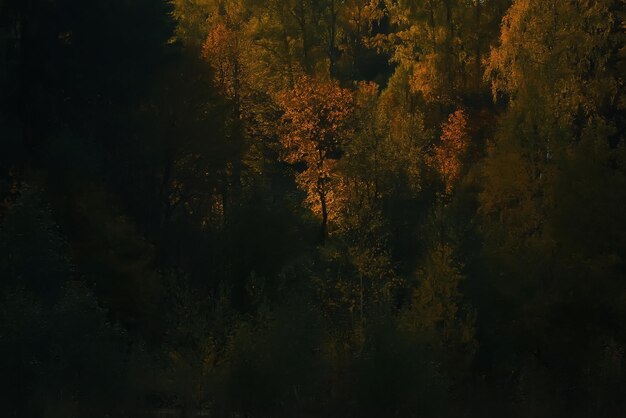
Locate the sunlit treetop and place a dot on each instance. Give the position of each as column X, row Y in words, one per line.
column 315, row 126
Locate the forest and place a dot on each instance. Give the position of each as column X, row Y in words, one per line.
column 312, row 208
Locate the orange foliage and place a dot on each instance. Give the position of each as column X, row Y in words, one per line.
column 447, row 155
column 315, row 125
column 222, row 48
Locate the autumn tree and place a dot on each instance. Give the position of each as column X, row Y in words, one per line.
column 226, row 49
column 191, row 17
column 401, row 122
column 273, row 30
column 322, row 38
column 446, row 158
column 556, row 66
column 426, row 40
column 289, row 35
column 560, row 138
column 436, row 301
column 315, row 127
column 356, row 21
column 443, row 42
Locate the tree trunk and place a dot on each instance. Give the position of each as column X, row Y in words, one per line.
column 324, row 225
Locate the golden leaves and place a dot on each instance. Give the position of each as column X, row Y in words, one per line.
column 314, row 127
column 558, row 50
column 425, row 79
column 222, row 49
column 447, row 155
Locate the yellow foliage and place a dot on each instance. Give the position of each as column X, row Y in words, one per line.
column 557, row 49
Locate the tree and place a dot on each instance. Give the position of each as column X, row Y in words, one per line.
column 556, row 68
column 315, row 127
column 192, row 18
column 447, row 155
column 443, row 42
column 436, row 301
column 357, row 20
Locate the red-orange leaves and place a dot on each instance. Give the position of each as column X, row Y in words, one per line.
column 223, row 49
column 447, row 155
column 315, row 125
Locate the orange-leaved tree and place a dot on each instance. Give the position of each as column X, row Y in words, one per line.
column 447, row 155
column 314, row 127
